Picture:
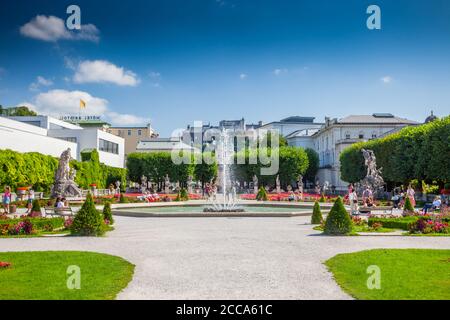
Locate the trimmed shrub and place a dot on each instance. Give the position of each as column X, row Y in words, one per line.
column 123, row 199
column 88, row 221
column 182, row 195
column 316, row 217
column 107, row 214
column 408, row 208
column 394, row 223
column 262, row 194
column 36, row 207
column 338, row 220
column 322, row 199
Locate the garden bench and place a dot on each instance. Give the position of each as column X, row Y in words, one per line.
column 65, row 211
column 371, row 209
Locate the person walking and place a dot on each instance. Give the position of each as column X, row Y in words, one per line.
column 410, row 194
column 353, row 199
column 6, row 199
column 30, row 200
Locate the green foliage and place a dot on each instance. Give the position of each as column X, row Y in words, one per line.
column 40, row 224
column 203, row 171
column 408, row 208
column 36, row 207
column 262, row 194
column 316, row 217
column 156, row 165
column 394, row 223
column 32, row 168
column 412, row 153
column 322, row 199
column 268, row 140
column 293, row 161
column 88, row 221
column 313, row 164
column 123, row 199
column 17, row 111
column 184, row 196
column 107, row 214
column 338, row 221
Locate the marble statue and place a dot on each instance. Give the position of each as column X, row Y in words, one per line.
column 118, row 187
column 167, row 184
column 143, row 184
column 190, row 184
column 373, row 179
column 277, row 183
column 65, row 185
column 255, row 184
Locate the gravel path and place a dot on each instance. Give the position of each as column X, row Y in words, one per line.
column 225, row 258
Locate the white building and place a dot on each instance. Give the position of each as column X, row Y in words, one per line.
column 338, row 134
column 51, row 136
column 164, row 145
column 288, row 126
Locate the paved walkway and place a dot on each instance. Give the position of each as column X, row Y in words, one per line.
column 225, row 258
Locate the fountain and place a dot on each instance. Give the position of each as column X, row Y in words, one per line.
column 227, row 200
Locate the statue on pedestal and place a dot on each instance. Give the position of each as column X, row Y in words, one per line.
column 167, row 184
column 118, row 187
column 255, row 184
column 277, row 183
column 190, row 184
column 65, row 185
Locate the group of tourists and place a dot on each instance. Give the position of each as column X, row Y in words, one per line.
column 399, row 197
column 7, row 199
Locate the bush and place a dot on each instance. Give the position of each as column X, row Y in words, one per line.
column 36, row 207
column 123, row 199
column 262, row 194
column 322, row 199
column 40, row 224
column 107, row 214
column 88, row 221
column 316, row 217
column 338, row 221
column 408, row 208
column 394, row 223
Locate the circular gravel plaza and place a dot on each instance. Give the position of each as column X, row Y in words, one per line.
column 225, row 258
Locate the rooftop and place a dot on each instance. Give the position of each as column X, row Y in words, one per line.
column 383, row 118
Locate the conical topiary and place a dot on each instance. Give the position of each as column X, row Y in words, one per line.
column 123, row 199
column 88, row 221
column 36, row 207
column 262, row 194
column 107, row 214
column 316, row 217
column 408, row 208
column 322, row 199
column 338, row 220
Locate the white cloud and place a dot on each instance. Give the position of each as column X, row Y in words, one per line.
column 279, row 72
column 52, row 29
column 125, row 119
column 386, row 79
column 243, row 76
column 156, row 78
column 62, row 102
column 40, row 82
column 101, row 71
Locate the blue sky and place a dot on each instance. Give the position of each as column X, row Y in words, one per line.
column 175, row 62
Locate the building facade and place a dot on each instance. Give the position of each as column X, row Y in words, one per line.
column 132, row 136
column 52, row 136
column 338, row 134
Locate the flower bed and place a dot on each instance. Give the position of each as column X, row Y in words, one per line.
column 29, row 226
column 284, row 196
column 392, row 222
column 427, row 225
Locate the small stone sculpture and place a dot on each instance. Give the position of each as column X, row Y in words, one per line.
column 65, row 185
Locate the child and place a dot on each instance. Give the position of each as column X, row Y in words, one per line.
column 6, row 199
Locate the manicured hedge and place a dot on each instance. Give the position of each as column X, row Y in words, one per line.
column 420, row 152
column 24, row 169
column 394, row 223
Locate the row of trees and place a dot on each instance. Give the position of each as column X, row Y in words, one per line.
column 293, row 161
column 420, row 152
column 32, row 168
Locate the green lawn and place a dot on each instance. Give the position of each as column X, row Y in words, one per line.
column 405, row 273
column 43, row 275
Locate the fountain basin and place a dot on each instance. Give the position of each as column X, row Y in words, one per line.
column 197, row 210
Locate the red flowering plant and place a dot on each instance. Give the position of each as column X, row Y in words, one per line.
column 68, row 222
column 426, row 226
column 4, row 264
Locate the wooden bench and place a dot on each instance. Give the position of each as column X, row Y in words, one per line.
column 371, row 209
column 64, row 211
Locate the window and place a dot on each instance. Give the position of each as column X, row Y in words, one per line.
column 70, row 139
column 129, row 132
column 347, row 135
column 361, row 135
column 108, row 146
column 139, row 132
column 374, row 135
